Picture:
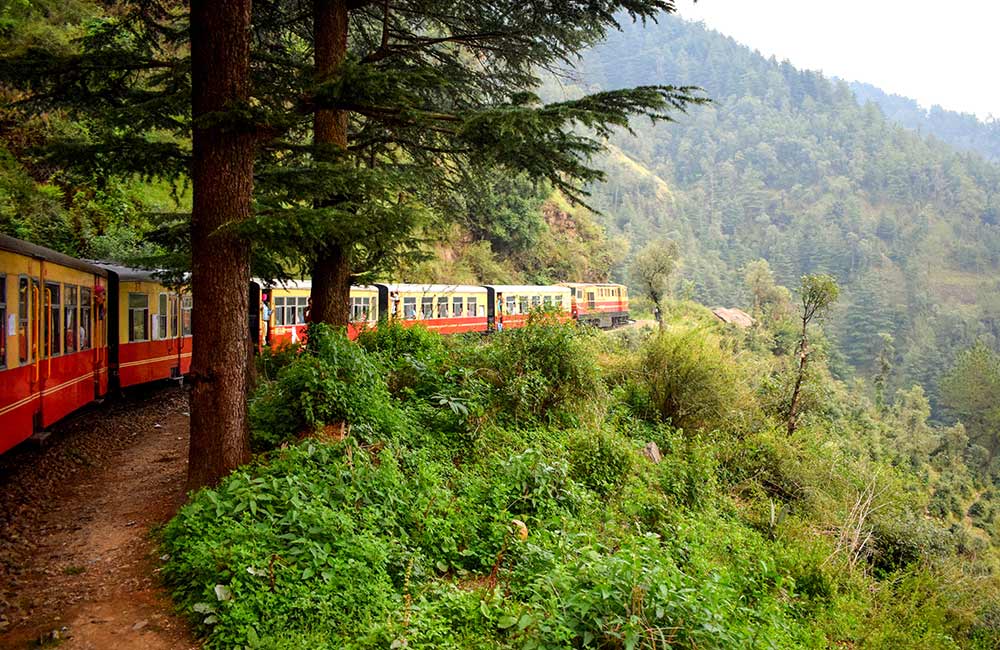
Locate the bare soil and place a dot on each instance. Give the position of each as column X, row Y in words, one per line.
column 78, row 562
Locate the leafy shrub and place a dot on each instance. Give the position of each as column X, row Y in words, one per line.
column 545, row 372
column 686, row 475
column 273, row 359
column 601, row 460
column 902, row 538
column 393, row 340
column 586, row 596
column 693, row 382
column 332, row 381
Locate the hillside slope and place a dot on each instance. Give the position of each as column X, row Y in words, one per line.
column 786, row 165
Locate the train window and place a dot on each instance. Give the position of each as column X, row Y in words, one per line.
column 591, row 300
column 3, row 321
column 23, row 302
column 84, row 318
column 71, row 332
column 160, row 330
column 427, row 307
column 279, row 311
column 456, row 307
column 138, row 317
column 186, row 305
column 409, row 308
column 536, row 301
column 547, row 301
column 559, row 301
column 442, row 307
column 301, row 305
column 52, row 319
column 360, row 308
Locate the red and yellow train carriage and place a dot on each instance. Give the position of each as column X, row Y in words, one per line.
column 603, row 305
column 510, row 305
column 53, row 354
column 284, row 311
column 444, row 308
column 151, row 326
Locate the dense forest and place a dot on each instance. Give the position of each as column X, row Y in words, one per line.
column 787, row 166
column 961, row 130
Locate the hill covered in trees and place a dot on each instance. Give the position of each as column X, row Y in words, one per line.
column 961, row 130
column 788, row 166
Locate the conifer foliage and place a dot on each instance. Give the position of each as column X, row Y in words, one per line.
column 409, row 100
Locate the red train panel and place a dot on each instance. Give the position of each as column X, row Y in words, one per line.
column 147, row 361
column 19, row 401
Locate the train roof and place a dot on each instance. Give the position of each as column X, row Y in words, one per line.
column 434, row 288
column 129, row 274
column 40, row 252
column 302, row 284
column 525, row 288
column 590, row 284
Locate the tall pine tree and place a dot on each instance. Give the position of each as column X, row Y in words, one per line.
column 410, row 99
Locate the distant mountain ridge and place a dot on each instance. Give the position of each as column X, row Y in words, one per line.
column 960, row 130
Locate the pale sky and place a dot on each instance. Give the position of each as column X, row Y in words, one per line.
column 935, row 52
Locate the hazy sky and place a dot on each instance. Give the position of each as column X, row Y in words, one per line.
column 945, row 53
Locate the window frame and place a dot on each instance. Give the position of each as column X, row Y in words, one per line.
column 3, row 320
column 187, row 305
column 457, row 307
column 71, row 335
column 52, row 304
column 85, row 342
column 132, row 316
column 160, row 332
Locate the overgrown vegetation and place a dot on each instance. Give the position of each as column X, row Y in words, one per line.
column 499, row 493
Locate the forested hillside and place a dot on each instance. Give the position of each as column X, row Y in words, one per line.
column 787, row 166
column 961, row 130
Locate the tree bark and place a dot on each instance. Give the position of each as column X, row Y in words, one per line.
column 331, row 287
column 331, row 273
column 222, row 180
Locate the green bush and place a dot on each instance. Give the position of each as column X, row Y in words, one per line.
column 601, row 460
column 545, row 373
column 393, row 340
column 332, row 381
column 693, row 382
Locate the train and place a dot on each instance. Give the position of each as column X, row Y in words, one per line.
column 74, row 331
column 444, row 308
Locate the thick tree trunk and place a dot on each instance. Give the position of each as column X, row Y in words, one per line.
column 331, row 273
column 331, row 287
column 222, row 179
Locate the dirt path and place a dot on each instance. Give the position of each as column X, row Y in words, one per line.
column 78, row 564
